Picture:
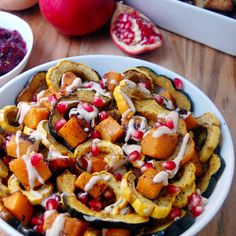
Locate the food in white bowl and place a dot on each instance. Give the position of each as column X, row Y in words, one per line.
column 120, row 137
column 18, row 30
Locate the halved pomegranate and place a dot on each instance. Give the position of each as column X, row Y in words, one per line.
column 132, row 31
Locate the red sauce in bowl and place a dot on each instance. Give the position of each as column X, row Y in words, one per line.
column 12, row 50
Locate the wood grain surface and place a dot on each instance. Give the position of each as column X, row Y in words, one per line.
column 212, row 71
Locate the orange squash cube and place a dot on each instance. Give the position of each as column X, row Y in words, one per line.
column 113, row 79
column 18, row 167
column 18, row 204
column 34, row 116
column 73, row 132
column 161, row 147
column 72, row 226
column 96, row 189
column 191, row 122
column 23, row 144
column 117, row 232
column 146, row 186
column 110, row 129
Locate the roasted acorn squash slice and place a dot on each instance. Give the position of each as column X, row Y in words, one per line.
column 54, row 74
column 35, row 84
column 182, row 99
column 4, row 189
column 142, row 205
column 8, row 120
column 102, row 219
column 49, row 141
column 212, row 125
column 139, row 76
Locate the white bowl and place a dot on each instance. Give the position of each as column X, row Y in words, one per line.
column 204, row 26
column 12, row 22
column 103, row 63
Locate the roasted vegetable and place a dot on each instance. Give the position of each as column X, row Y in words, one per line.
column 79, row 210
column 19, row 206
column 113, row 79
column 66, row 182
column 4, row 190
column 110, row 129
column 3, row 170
column 54, row 74
column 8, row 120
column 36, row 84
column 182, row 100
column 212, row 125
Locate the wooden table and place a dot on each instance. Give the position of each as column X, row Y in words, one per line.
column 212, row 71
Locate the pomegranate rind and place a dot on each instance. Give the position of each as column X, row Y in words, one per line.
column 133, row 49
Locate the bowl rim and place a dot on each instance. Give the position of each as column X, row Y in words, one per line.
column 202, row 221
column 29, row 44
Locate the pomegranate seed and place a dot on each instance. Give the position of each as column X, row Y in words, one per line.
column 194, row 200
column 89, row 85
column 159, row 99
column 103, row 115
column 95, row 134
column 137, row 135
column 59, row 124
column 98, row 102
column 146, row 166
column 171, row 189
column 94, row 149
column 36, row 221
column 51, row 204
column 108, row 194
column 83, row 197
column 175, row 212
column 197, row 210
column 102, row 84
column 144, row 85
column 62, row 107
column 169, row 123
column 88, row 107
column 42, row 217
column 34, row 98
column 38, row 228
column 134, row 156
column 95, row 205
column 118, row 176
column 169, row 165
column 36, row 158
column 178, row 83
column 6, row 160
column 52, row 99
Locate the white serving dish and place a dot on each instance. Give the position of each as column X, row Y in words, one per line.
column 201, row 25
column 104, row 63
column 12, row 22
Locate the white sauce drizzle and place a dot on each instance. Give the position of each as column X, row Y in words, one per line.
column 48, row 213
column 109, row 208
column 143, row 89
column 128, row 101
column 32, row 172
column 125, row 114
column 128, row 148
column 23, row 109
column 93, row 180
column 113, row 81
column 97, row 87
column 124, row 210
column 54, row 154
column 164, row 129
column 88, row 116
column 57, row 226
column 18, row 134
column 74, row 85
column 161, row 177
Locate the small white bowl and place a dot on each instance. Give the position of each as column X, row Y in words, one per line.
column 12, row 22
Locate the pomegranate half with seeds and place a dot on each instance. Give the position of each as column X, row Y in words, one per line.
column 132, row 31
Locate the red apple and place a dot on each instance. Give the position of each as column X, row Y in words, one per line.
column 77, row 17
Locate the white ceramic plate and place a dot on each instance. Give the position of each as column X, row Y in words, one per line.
column 204, row 26
column 103, row 63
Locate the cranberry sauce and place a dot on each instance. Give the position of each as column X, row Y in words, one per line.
column 12, row 50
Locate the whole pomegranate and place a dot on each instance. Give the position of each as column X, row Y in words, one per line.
column 132, row 31
column 77, row 17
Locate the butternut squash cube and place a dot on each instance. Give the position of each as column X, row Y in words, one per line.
column 96, row 189
column 113, row 79
column 146, row 186
column 73, row 132
column 110, row 129
column 22, row 144
column 72, row 226
column 18, row 204
column 34, row 116
column 191, row 122
column 18, row 167
column 161, row 147
column 117, row 232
